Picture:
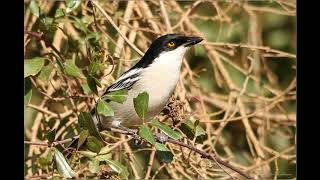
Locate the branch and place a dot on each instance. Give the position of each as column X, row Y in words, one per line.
column 53, row 143
column 161, row 138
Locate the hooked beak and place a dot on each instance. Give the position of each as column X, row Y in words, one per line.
column 192, row 40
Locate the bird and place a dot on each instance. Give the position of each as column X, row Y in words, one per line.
column 156, row 73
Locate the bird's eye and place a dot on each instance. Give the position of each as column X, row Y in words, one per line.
column 171, row 44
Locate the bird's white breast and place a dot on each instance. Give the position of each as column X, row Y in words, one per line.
column 158, row 80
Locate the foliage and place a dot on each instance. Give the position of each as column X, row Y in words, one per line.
column 236, row 98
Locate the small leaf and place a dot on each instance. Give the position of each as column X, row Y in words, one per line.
column 166, row 129
column 88, row 154
column 161, row 147
column 86, row 89
column 103, row 157
column 119, row 168
column 45, row 73
column 34, row 8
column 104, row 109
column 141, row 104
column 165, row 156
column 50, row 156
column 94, row 166
column 72, row 69
column 62, row 165
column 59, row 13
column 146, row 134
column 86, row 122
column 92, row 84
column 72, row 5
column 105, row 150
column 199, row 131
column 33, row 66
column 94, row 144
column 119, row 96
column 27, row 98
column 27, row 92
column 83, row 136
column 201, row 134
column 51, row 135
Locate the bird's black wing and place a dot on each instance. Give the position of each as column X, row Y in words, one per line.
column 127, row 80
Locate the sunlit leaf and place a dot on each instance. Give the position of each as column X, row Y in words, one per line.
column 119, row 96
column 86, row 89
column 146, row 134
column 94, row 144
column 166, row 129
column 27, row 92
column 83, row 136
column 88, row 154
column 59, row 13
column 141, row 104
column 86, row 122
column 94, row 165
column 72, row 5
column 62, row 165
column 34, row 8
column 33, row 66
column 72, row 70
column 45, row 73
column 161, row 147
column 104, row 109
column 119, row 168
column 103, row 157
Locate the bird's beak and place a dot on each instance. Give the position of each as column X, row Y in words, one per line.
column 192, row 40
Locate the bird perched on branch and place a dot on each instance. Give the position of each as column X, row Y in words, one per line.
column 157, row 73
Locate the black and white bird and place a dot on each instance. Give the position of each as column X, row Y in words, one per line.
column 157, row 73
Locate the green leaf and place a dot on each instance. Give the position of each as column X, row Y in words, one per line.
column 92, row 84
column 72, row 5
column 199, row 131
column 59, row 13
column 104, row 109
column 72, row 69
column 34, row 8
column 94, row 166
column 27, row 92
column 33, row 66
column 93, row 67
column 193, row 130
column 27, row 98
column 161, row 147
column 83, row 136
column 119, row 168
column 50, row 156
column 94, row 144
column 164, row 156
column 51, row 135
column 119, row 96
column 86, row 122
column 45, row 73
column 88, row 154
column 145, row 133
column 105, row 150
column 166, row 129
column 103, row 157
column 141, row 104
column 63, row 167
column 86, row 89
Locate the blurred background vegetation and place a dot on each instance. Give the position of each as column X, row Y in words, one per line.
column 239, row 83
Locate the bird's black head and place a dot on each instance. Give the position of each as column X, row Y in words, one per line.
column 168, row 42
